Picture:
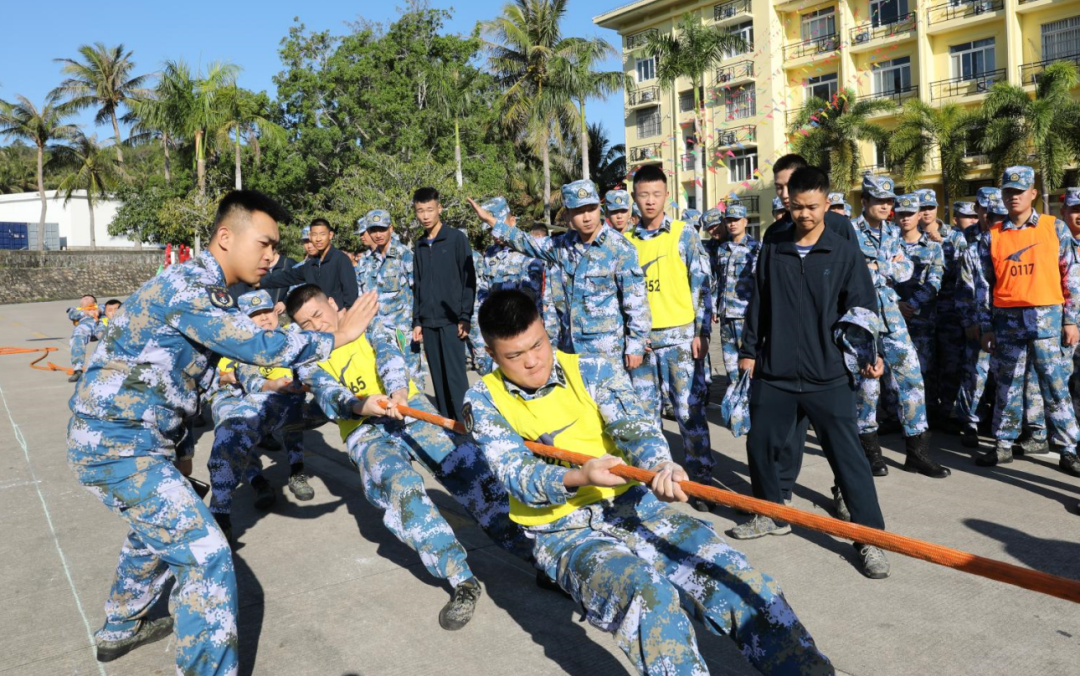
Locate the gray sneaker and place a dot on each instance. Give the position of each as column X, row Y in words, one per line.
column 457, row 613
column 1001, row 454
column 759, row 526
column 839, row 507
column 874, row 564
column 148, row 632
column 299, row 487
column 1031, row 446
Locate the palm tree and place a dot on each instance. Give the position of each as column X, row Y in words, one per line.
column 924, row 131
column 694, row 50
column 244, row 114
column 523, row 42
column 159, row 116
column 1014, row 123
column 102, row 79
column 835, row 130
column 89, row 168
column 607, row 163
column 452, row 88
column 578, row 77
column 22, row 120
column 16, row 169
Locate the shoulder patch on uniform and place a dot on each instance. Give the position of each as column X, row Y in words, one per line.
column 467, row 417
column 219, row 297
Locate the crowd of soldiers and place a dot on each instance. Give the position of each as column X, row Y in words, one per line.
column 581, row 340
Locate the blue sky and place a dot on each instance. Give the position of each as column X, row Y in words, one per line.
column 246, row 33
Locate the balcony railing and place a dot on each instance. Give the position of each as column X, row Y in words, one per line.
column 964, row 86
column 819, row 45
column 868, row 32
column 639, row 39
column 730, row 10
column 645, row 153
column 873, row 169
column 1031, row 72
column 947, row 11
column 749, row 201
column 791, row 115
column 897, row 95
column 644, row 96
column 735, row 71
column 747, row 133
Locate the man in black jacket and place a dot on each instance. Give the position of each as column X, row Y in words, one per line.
column 806, row 279
column 329, row 269
column 444, row 290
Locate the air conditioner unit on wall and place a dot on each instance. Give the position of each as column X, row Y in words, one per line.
column 647, row 95
column 724, row 76
column 862, row 37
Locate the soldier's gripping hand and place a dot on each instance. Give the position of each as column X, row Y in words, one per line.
column 699, row 348
column 596, row 472
column 399, row 396
column 1070, row 335
column 375, row 406
column 227, row 377
column 284, row 386
column 355, row 320
column 632, row 361
column 988, row 341
column 747, row 365
column 666, row 482
column 875, row 371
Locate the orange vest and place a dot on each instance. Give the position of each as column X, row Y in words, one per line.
column 1026, row 265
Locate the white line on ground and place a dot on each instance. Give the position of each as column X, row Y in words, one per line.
column 48, row 518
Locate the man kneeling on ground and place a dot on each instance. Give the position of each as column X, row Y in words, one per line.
column 629, row 559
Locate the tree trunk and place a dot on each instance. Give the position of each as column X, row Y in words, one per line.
column 584, row 144
column 116, row 131
column 948, row 204
column 168, row 162
column 200, row 162
column 457, row 152
column 1045, row 194
column 93, row 233
column 699, row 151
column 239, row 180
column 41, row 191
column 547, row 183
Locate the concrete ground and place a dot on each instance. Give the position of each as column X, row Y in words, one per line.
column 325, row 589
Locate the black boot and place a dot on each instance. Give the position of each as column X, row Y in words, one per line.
column 969, row 437
column 1069, row 462
column 224, row 522
column 918, row 458
column 75, row 375
column 1000, row 454
column 872, row 447
column 264, row 493
column 148, row 632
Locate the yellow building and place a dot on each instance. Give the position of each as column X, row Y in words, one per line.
column 943, row 51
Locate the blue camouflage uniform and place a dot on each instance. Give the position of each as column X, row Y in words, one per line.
column 734, row 283
column 1030, row 336
column 777, row 205
column 950, row 331
column 390, row 273
column 1071, row 198
column 880, row 247
column 638, row 567
column 669, row 372
column 692, row 217
column 617, row 200
column 85, row 330
column 139, row 387
column 606, row 311
column 244, row 415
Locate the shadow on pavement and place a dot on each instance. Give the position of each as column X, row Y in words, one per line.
column 1056, row 557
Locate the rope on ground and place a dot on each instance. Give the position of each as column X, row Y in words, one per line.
column 49, row 366
column 1025, row 578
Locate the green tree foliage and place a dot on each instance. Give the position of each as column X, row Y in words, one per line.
column 86, row 166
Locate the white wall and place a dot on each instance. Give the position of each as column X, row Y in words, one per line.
column 74, row 218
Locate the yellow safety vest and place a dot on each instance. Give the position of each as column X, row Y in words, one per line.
column 571, row 420
column 353, row 366
column 227, row 365
column 666, row 277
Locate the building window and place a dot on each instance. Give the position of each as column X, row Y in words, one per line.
column 691, row 198
column 648, row 122
column 893, row 76
column 1061, row 39
column 741, row 102
column 742, row 166
column 885, row 12
column 646, row 69
column 686, row 100
column 745, row 31
column 819, row 23
column 823, row 87
column 972, row 59
column 880, row 152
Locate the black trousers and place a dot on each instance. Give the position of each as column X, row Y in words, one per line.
column 446, row 359
column 774, row 415
column 791, row 457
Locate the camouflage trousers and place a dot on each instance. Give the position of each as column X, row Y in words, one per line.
column 1045, row 358
column 383, row 451
column 949, row 360
column 671, row 374
column 730, row 341
column 240, row 423
column 81, row 335
column 902, row 365
column 641, row 570
column 172, row 535
column 977, row 365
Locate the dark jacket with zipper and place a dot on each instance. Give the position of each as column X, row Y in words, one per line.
column 795, row 307
column 444, row 286
column 837, row 223
column 333, row 273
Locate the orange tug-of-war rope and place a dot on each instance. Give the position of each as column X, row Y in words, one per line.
column 1025, row 578
column 49, row 366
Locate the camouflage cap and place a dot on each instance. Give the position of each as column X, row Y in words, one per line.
column 847, row 209
column 997, row 208
column 1071, row 197
column 305, row 233
column 634, row 211
column 361, row 225
column 712, row 218
column 963, row 209
column 616, row 200
column 579, row 194
column 878, row 187
column 497, row 207
column 777, row 205
column 254, row 301
column 735, row 210
column 378, row 218
column 927, row 197
column 835, row 199
column 986, row 195
column 691, row 215
column 1018, row 178
column 907, row 204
